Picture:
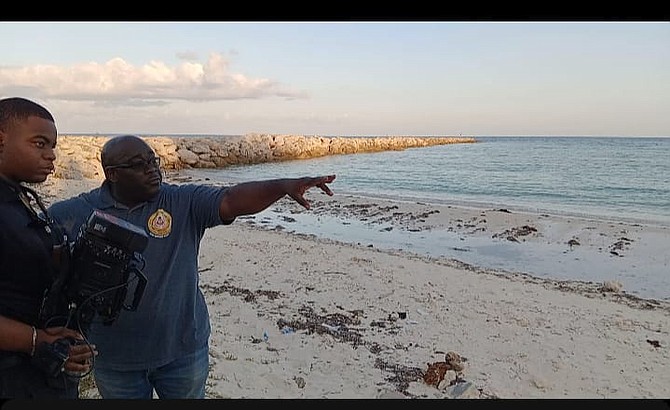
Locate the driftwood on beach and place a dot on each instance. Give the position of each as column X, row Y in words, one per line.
column 79, row 156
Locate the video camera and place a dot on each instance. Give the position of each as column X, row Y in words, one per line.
column 97, row 275
column 94, row 278
column 104, row 255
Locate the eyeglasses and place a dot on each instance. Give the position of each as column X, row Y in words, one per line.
column 140, row 165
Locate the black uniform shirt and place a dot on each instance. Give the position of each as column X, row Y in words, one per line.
column 26, row 261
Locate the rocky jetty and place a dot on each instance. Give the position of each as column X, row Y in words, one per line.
column 79, row 156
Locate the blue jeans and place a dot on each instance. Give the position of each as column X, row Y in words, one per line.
column 183, row 378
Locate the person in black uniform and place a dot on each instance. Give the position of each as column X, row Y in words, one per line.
column 30, row 245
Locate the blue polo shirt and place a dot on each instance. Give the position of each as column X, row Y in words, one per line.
column 171, row 319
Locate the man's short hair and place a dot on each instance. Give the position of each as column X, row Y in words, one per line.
column 16, row 109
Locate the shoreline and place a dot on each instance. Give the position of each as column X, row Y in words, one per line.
column 483, row 206
column 555, row 246
column 190, row 175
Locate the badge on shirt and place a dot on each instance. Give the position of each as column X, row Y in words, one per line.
column 160, row 224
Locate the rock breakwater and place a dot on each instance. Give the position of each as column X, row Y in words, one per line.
column 79, row 156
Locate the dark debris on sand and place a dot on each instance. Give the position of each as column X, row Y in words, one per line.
column 344, row 327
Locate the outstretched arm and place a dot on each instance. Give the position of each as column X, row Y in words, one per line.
column 252, row 197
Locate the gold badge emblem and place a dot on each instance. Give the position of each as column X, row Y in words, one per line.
column 160, row 224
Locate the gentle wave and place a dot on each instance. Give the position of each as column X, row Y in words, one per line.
column 601, row 177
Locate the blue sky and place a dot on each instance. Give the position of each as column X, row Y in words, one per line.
column 344, row 78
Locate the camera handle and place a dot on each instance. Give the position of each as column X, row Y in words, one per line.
column 51, row 357
column 139, row 289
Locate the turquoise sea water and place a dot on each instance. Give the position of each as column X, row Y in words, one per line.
column 611, row 178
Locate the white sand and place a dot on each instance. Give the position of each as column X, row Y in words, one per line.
column 294, row 316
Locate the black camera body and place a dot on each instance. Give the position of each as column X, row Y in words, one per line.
column 96, row 273
column 104, row 255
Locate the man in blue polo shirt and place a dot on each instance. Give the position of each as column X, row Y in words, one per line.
column 163, row 344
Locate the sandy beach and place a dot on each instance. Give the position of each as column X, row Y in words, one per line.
column 298, row 316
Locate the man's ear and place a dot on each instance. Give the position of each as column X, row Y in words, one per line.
column 2, row 140
column 110, row 174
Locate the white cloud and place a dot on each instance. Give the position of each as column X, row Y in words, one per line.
column 154, row 83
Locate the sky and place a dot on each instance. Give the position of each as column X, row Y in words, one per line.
column 444, row 78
